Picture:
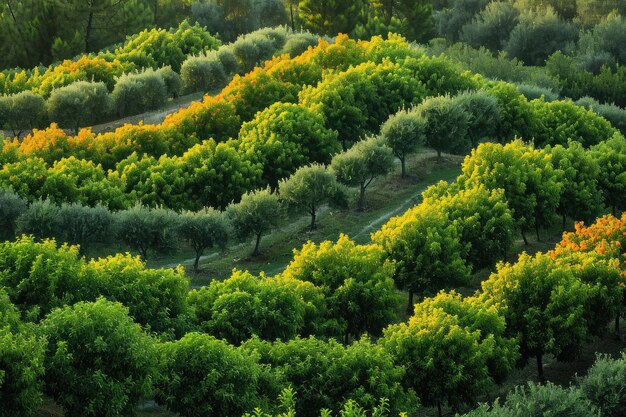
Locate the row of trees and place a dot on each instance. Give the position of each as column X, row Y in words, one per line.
column 450, row 351
column 346, row 105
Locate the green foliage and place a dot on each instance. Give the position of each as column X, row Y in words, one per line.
column 256, row 214
column 11, row 207
column 244, row 306
column 537, row 400
column 202, row 376
column 203, row 73
column 309, row 188
column 297, row 43
column 80, row 373
column 328, row 374
column 79, row 104
column 173, row 81
column 450, row 21
column 491, row 27
column 284, row 137
column 39, row 219
column 581, row 198
column 445, row 125
column 330, row 18
column 483, row 219
column 357, row 282
column 203, row 230
column 611, row 157
column 604, row 385
column 448, row 356
column 25, row 110
column 403, row 133
column 427, row 250
column 484, row 115
column 145, row 229
column 538, row 35
column 83, row 225
column 362, row 163
column 156, row 298
column 21, row 363
column 140, row 92
column 531, row 185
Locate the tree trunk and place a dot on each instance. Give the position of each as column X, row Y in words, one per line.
column 156, row 7
column 537, row 233
column 542, row 378
column 524, row 237
column 256, row 245
column 438, row 156
column 410, row 306
column 312, row 220
column 88, row 31
column 143, row 252
column 403, row 165
column 439, row 408
column 293, row 23
column 361, row 205
column 196, row 263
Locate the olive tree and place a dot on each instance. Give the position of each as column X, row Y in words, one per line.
column 11, row 206
column 403, row 133
column 79, row 104
column 362, row 163
column 256, row 214
column 445, row 125
column 203, row 230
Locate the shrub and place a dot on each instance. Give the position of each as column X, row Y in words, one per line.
column 605, row 385
column 39, row 219
column 79, row 104
column 22, row 111
column 297, row 43
column 137, row 93
column 532, row 92
column 11, row 207
column 202, row 376
column 228, row 59
column 84, row 225
column 173, row 82
column 98, row 362
column 403, row 133
column 203, row 73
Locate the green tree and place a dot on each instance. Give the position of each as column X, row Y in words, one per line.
column 482, row 216
column 309, row 188
column 330, row 17
column 485, row 115
column 23, row 111
column 427, row 250
column 447, row 359
column 445, row 125
column 202, row 376
column 362, row 163
column 284, row 137
column 244, row 305
column 404, row 134
column 203, row 230
column 357, row 282
column 80, row 373
column 581, row 198
column 138, row 93
column 491, row 27
column 79, row 104
column 83, row 225
column 256, row 214
column 611, row 158
column 21, row 363
column 144, row 229
column 40, row 219
column 531, row 185
column 604, row 385
column 544, row 303
column 11, row 206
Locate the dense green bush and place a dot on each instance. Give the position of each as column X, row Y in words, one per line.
column 297, row 43
column 21, row 111
column 11, row 207
column 203, row 73
column 173, row 82
column 491, row 27
column 140, row 92
column 40, row 219
column 605, row 385
column 79, row 104
column 98, row 361
column 202, row 376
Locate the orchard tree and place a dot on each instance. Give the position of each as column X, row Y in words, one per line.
column 545, row 304
column 22, row 111
column 11, row 206
column 485, row 115
column 256, row 214
column 144, row 229
column 611, row 157
column 446, row 360
column 356, row 279
column 362, row 163
column 482, row 216
column 203, row 376
column 309, row 188
column 203, row 230
column 404, row 134
column 581, row 198
column 21, row 363
column 427, row 250
column 80, row 375
column 445, row 125
column 531, row 185
column 83, row 225
column 79, row 104
column 284, row 137
column 243, row 306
